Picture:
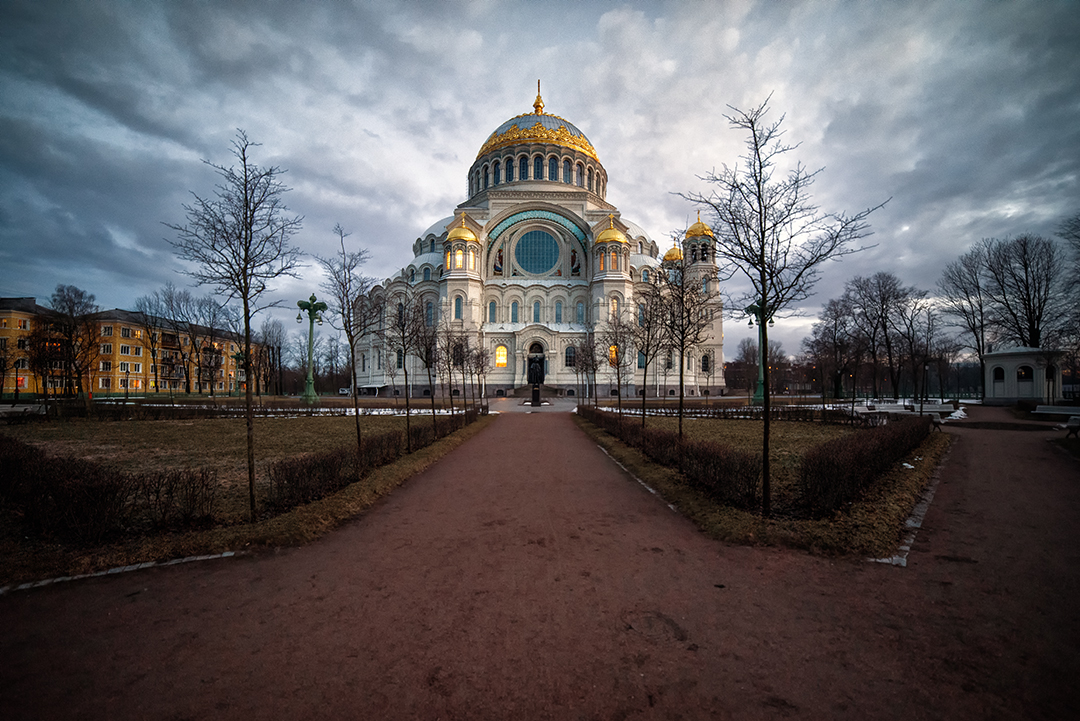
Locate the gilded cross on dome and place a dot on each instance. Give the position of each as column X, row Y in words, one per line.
column 538, row 106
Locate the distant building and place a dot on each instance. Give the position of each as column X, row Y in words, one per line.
column 534, row 263
column 130, row 353
column 1019, row 374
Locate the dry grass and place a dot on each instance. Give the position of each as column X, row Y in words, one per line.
column 139, row 445
column 872, row 526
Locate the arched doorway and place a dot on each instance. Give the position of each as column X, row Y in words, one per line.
column 537, row 364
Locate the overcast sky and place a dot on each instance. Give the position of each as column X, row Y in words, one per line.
column 965, row 114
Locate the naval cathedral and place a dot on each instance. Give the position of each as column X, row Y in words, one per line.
column 532, row 265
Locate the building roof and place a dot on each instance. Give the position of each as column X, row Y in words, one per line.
column 538, row 127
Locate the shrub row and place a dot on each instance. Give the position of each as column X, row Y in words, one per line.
column 84, row 503
column 836, row 472
column 727, row 475
column 311, row 476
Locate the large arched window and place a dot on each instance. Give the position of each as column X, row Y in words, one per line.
column 496, row 173
column 566, row 178
column 1025, row 373
column 641, row 314
column 999, row 374
column 400, row 314
column 523, row 168
column 580, row 175
column 510, row 170
column 614, row 306
column 427, row 273
column 571, row 356
column 537, row 252
column 553, row 168
column 429, row 313
column 581, row 313
column 538, row 168
column 458, row 308
column 459, row 257
column 500, row 356
column 514, row 312
column 613, row 355
column 705, row 363
column 558, row 311
column 492, row 311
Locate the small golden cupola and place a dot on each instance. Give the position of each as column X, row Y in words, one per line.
column 611, row 234
column 699, row 229
column 461, row 232
column 673, row 255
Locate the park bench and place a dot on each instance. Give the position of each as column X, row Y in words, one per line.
column 1072, row 426
column 936, row 420
column 1054, row 410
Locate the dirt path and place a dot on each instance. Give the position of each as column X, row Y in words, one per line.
column 550, row 586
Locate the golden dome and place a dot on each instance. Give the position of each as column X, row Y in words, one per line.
column 699, row 229
column 538, row 127
column 675, row 254
column 460, row 232
column 611, row 234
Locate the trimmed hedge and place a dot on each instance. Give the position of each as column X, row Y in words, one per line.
column 727, row 475
column 836, row 472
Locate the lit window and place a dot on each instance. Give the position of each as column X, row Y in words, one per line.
column 491, row 312
column 457, row 308
column 500, row 356
column 614, row 307
column 472, row 260
column 614, row 260
column 613, row 355
column 1024, row 373
column 447, row 258
column 602, row 260
column 558, row 311
column 136, row 333
column 514, row 312
column 459, row 256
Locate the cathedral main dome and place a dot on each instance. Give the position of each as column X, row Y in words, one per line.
column 537, row 146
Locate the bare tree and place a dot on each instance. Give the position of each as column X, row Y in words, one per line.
column 73, row 320
column 239, row 242
column 965, row 298
column 875, row 301
column 150, row 310
column 406, row 317
column 352, row 308
column 649, row 332
column 834, row 344
column 688, row 316
column 1026, row 284
column 617, row 340
column 768, row 230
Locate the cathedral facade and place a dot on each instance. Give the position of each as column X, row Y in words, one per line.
column 532, row 266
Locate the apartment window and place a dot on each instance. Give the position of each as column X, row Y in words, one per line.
column 21, row 343
column 125, row 332
column 24, row 324
column 125, row 350
column 136, row 350
column 106, row 330
column 125, row 366
column 106, row 349
column 136, row 367
column 104, row 382
column 136, row 333
column 106, row 366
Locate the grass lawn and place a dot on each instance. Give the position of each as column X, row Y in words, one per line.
column 133, row 446
column 872, row 526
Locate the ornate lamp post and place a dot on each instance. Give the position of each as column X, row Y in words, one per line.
column 313, row 308
column 763, row 315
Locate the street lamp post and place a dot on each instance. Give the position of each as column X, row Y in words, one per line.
column 313, row 308
column 763, row 316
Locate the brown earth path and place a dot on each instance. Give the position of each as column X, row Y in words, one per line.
column 526, row 576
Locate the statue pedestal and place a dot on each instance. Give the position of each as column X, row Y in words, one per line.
column 536, row 395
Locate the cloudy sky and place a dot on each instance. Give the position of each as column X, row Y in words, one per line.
column 965, row 114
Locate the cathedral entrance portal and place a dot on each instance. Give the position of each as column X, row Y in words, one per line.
column 536, row 371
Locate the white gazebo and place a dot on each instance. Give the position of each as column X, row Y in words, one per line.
column 1015, row 374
